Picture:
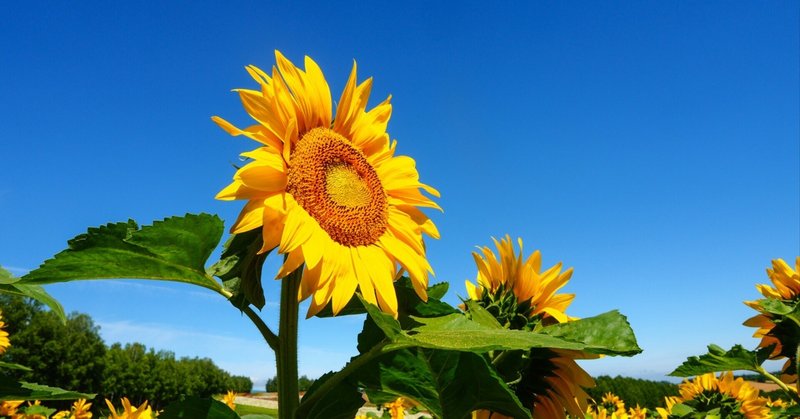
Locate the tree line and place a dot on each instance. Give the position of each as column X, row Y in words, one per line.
column 74, row 357
column 633, row 391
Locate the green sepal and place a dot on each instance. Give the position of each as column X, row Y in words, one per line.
column 174, row 249
column 717, row 359
column 239, row 268
column 11, row 389
column 198, row 408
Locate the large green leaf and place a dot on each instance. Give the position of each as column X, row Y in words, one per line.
column 175, row 249
column 448, row 384
column 11, row 389
column 609, row 334
column 240, row 266
column 11, row 285
column 717, row 359
column 198, row 408
column 13, row 366
column 341, row 402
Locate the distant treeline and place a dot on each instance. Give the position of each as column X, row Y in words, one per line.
column 633, row 391
column 74, row 357
column 303, row 383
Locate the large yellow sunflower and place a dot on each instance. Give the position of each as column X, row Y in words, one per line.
column 329, row 192
column 733, row 397
column 535, row 291
column 771, row 327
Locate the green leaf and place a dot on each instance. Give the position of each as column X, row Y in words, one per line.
column 717, row 359
column 10, row 285
column 11, row 389
column 256, row 416
column 175, row 249
column 239, row 268
column 41, row 411
column 457, row 332
column 12, row 366
column 609, row 334
column 342, row 402
column 198, row 408
column 448, row 384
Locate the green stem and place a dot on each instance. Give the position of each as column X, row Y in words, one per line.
column 286, row 355
column 791, row 393
column 266, row 332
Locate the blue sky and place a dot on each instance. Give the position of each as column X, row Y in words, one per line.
column 653, row 146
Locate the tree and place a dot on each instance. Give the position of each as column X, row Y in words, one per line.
column 68, row 356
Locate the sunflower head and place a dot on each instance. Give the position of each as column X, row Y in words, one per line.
column 516, row 290
column 130, row 411
column 230, row 399
column 327, row 190
column 775, row 326
column 725, row 396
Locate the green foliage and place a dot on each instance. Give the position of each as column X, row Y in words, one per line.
column 11, row 389
column 68, row 356
column 633, row 391
column 175, row 249
column 134, row 372
column 303, row 383
column 717, row 359
column 432, row 354
column 74, row 356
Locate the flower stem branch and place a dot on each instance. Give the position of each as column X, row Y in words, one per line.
column 272, row 339
column 791, row 393
column 286, row 355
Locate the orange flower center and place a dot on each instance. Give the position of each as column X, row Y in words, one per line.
column 336, row 185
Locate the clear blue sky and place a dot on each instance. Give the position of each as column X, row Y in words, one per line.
column 653, row 146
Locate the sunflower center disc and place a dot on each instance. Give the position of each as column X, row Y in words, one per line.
column 336, row 185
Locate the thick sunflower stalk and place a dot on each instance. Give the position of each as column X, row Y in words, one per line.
column 523, row 297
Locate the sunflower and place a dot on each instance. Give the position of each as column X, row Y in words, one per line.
column 732, row 397
column 80, row 410
column 330, row 193
column 511, row 277
column 520, row 296
column 774, row 329
column 4, row 341
column 230, row 399
column 609, row 403
column 129, row 411
column 637, row 412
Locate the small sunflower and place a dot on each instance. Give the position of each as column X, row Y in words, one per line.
column 230, row 399
column 730, row 397
column 609, row 403
column 637, row 412
column 775, row 329
column 79, row 410
column 511, row 277
column 129, row 411
column 330, row 193
column 4, row 341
